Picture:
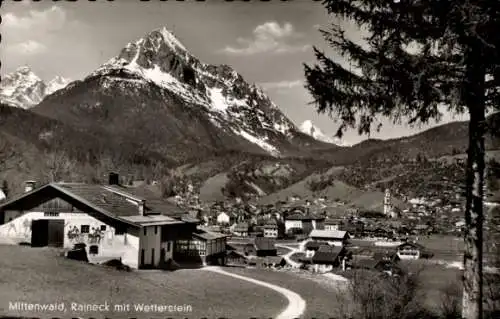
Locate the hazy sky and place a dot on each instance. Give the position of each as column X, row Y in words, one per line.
column 266, row 42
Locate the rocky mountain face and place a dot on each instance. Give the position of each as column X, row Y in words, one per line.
column 308, row 127
column 23, row 88
column 157, row 93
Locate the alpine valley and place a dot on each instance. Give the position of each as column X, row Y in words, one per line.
column 156, row 107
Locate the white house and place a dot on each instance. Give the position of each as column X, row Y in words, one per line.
column 409, row 251
column 112, row 220
column 223, row 219
column 332, row 237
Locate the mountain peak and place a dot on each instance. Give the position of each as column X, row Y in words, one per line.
column 309, row 128
column 24, row 69
column 23, row 88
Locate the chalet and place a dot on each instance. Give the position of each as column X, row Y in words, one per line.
column 411, row 250
column 304, row 222
column 261, row 247
column 114, row 221
column 332, row 224
column 328, row 257
column 241, row 229
column 332, row 237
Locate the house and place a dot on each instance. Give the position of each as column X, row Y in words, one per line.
column 261, row 247
column 332, row 224
column 234, row 258
column 114, row 221
column 241, row 229
column 223, row 219
column 332, row 237
column 386, row 266
column 204, row 247
column 273, row 229
column 411, row 250
column 303, row 222
column 328, row 257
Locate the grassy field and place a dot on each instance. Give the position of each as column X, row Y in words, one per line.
column 42, row 276
column 317, row 291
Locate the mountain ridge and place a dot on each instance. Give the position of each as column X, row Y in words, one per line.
column 23, row 88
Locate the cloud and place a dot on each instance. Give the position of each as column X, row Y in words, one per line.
column 52, row 18
column 268, row 37
column 29, row 47
column 282, row 85
column 30, row 32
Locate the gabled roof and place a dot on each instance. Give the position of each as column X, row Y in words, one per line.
column 336, row 234
column 327, row 254
column 109, row 202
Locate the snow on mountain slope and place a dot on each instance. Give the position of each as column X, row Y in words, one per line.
column 56, row 84
column 229, row 102
column 23, row 88
column 309, row 128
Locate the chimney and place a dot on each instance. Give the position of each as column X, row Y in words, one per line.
column 142, row 207
column 114, row 179
column 29, row 186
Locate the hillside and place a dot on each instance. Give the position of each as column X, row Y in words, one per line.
column 157, row 94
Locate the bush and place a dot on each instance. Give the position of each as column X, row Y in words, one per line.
column 117, row 264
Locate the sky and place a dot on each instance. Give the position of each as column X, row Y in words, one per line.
column 266, row 42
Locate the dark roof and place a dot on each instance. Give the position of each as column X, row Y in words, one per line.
column 299, row 216
column 208, row 235
column 154, row 203
column 264, row 243
column 330, row 221
column 415, row 245
column 234, row 254
column 102, row 198
column 327, row 254
column 314, row 245
column 365, row 263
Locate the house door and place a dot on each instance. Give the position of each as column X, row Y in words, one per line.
column 152, row 256
column 39, row 235
column 142, row 258
column 55, row 230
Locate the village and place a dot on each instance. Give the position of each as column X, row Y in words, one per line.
column 134, row 228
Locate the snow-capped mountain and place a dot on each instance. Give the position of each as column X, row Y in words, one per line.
column 56, row 84
column 177, row 99
column 23, row 88
column 307, row 127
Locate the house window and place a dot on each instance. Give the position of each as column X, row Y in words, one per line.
column 103, row 227
column 145, row 231
column 152, row 256
column 84, row 229
column 50, row 214
column 156, row 230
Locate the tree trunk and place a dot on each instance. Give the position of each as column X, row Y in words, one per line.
column 474, row 92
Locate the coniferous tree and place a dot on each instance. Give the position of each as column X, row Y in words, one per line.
column 418, row 57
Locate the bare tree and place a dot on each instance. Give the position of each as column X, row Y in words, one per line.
column 58, row 165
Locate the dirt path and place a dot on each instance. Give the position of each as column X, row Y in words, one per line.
column 296, row 304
